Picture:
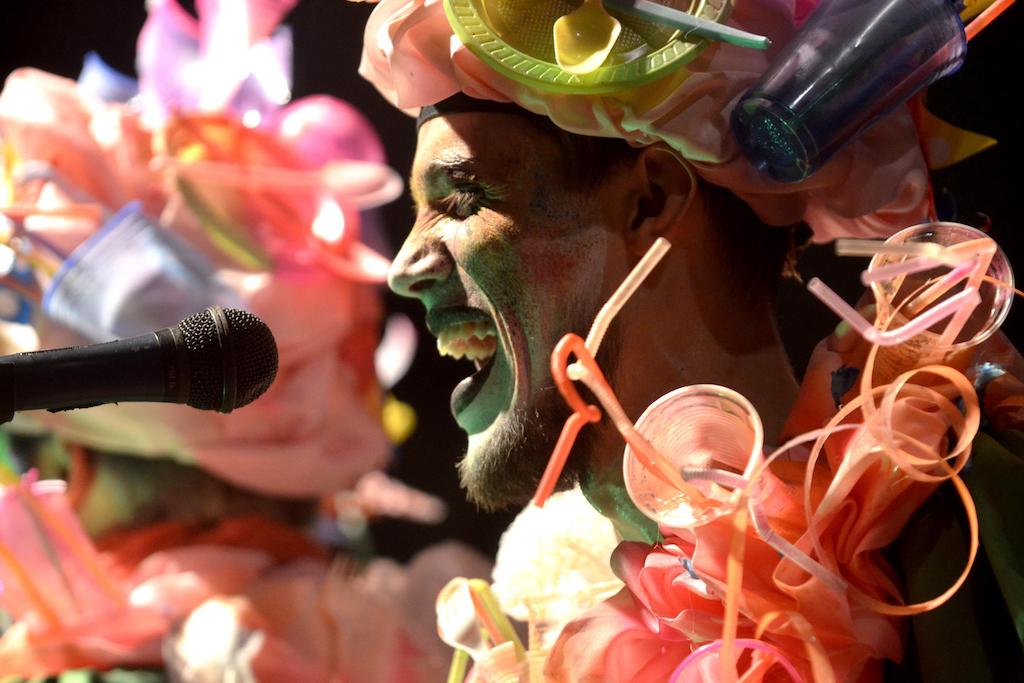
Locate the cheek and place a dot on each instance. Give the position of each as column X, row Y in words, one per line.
column 484, row 249
column 566, row 266
column 566, row 281
column 546, row 274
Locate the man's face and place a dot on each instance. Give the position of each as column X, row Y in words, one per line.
column 507, row 256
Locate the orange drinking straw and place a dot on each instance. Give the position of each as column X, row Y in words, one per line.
column 489, row 610
column 582, row 413
column 31, row 590
column 987, row 17
column 587, row 370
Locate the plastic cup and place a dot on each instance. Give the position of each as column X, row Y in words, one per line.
column 132, row 277
column 891, row 295
column 851, row 62
column 710, row 434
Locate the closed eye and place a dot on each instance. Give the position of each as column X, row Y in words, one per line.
column 462, row 203
column 454, row 190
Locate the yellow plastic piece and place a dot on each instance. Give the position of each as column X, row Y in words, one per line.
column 584, row 37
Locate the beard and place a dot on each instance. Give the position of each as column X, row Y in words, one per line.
column 506, row 470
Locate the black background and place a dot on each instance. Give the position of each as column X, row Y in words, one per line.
column 54, row 35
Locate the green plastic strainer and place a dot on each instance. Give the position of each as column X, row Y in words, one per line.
column 515, row 37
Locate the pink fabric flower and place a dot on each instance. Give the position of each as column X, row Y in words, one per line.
column 248, row 598
column 317, row 430
column 174, row 47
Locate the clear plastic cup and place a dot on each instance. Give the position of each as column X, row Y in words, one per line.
column 891, row 298
column 132, row 277
column 850, row 63
column 712, row 435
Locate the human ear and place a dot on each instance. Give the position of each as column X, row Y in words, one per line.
column 665, row 186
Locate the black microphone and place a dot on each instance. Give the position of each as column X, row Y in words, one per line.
column 214, row 360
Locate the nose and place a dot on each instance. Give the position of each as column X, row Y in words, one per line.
column 423, row 261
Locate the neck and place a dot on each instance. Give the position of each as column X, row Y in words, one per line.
column 749, row 359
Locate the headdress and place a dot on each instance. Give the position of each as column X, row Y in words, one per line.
column 873, row 187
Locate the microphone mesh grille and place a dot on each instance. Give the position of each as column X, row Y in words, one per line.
column 206, row 361
column 254, row 354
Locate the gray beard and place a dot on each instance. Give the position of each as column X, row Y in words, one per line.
column 506, row 473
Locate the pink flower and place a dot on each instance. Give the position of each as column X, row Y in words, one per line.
column 663, row 582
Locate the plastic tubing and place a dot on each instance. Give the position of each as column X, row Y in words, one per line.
column 986, row 17
column 614, row 304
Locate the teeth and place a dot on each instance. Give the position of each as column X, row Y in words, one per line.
column 475, row 341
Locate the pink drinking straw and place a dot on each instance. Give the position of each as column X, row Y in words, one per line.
column 967, row 298
column 891, row 270
column 974, row 282
column 928, row 255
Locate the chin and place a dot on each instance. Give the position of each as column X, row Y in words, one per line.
column 503, row 464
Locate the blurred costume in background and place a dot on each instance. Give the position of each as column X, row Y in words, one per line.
column 896, row 472
column 183, row 544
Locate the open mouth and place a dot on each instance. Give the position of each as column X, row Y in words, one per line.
column 470, row 334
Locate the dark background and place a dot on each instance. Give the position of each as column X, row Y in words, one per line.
column 54, row 35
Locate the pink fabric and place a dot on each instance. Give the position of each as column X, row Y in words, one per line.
column 876, row 186
column 317, row 429
column 173, row 47
column 290, row 621
column 246, row 599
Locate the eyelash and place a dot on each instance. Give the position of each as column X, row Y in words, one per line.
column 463, row 202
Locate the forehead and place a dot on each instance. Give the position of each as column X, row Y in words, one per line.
column 485, row 143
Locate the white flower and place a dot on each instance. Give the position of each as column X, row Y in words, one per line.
column 552, row 562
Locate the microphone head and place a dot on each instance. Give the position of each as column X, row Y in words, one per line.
column 231, row 357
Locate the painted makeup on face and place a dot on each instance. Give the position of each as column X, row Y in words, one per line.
column 504, row 250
